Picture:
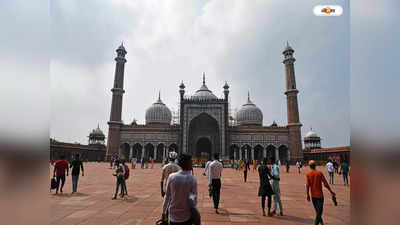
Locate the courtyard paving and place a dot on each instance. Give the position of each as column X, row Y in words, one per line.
column 239, row 201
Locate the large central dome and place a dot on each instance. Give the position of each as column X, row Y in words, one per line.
column 249, row 114
column 158, row 113
column 203, row 93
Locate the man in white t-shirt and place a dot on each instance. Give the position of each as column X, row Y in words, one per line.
column 214, row 178
column 331, row 171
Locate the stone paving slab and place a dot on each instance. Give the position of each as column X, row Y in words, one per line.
column 239, row 201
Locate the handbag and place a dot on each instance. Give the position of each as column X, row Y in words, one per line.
column 53, row 183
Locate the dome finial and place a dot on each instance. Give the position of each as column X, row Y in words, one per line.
column 204, row 78
column 98, row 127
column 159, row 95
column 248, row 96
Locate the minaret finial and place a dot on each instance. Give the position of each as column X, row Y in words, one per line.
column 204, row 78
column 98, row 125
column 287, row 43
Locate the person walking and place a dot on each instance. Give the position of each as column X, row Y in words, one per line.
column 265, row 189
column 276, row 189
column 59, row 172
column 255, row 165
column 207, row 174
column 181, row 194
column 246, row 168
column 111, row 161
column 314, row 181
column 287, row 166
column 134, row 163
column 331, row 171
column 215, row 172
column 120, row 175
column 152, row 162
column 76, row 166
column 168, row 169
column 299, row 165
column 344, row 170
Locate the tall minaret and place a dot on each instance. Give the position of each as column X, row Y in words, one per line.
column 115, row 122
column 294, row 125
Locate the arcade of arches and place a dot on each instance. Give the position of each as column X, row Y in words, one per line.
column 258, row 152
column 148, row 151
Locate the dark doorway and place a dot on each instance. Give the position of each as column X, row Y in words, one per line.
column 124, row 152
column 258, row 153
column 160, row 151
column 283, row 153
column 271, row 153
column 204, row 126
column 149, row 152
column 203, row 148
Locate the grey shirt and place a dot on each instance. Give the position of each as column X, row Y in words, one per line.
column 180, row 196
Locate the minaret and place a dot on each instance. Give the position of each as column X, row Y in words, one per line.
column 181, row 116
column 115, row 122
column 226, row 91
column 294, row 125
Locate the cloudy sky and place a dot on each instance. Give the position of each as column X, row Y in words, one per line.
column 240, row 42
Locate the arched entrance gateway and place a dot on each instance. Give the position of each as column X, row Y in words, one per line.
column 160, row 152
column 124, row 151
column 204, row 139
column 283, row 153
column 203, row 148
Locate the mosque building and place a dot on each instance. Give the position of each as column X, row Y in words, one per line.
column 204, row 125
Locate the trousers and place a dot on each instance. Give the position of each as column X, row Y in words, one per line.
column 263, row 201
column 319, row 208
column 216, row 191
column 120, row 182
column 75, row 179
column 245, row 175
column 62, row 179
column 331, row 175
column 345, row 178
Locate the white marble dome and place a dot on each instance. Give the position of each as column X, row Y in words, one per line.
column 311, row 134
column 158, row 113
column 97, row 132
column 249, row 114
column 203, row 93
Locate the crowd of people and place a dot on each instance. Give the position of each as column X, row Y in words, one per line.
column 179, row 185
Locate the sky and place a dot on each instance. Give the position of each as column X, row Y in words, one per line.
column 240, row 42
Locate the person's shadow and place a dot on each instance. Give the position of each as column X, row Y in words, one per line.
column 295, row 219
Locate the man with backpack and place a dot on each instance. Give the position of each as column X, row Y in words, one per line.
column 120, row 175
column 124, row 190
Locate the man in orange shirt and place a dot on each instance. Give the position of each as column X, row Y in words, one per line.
column 314, row 180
